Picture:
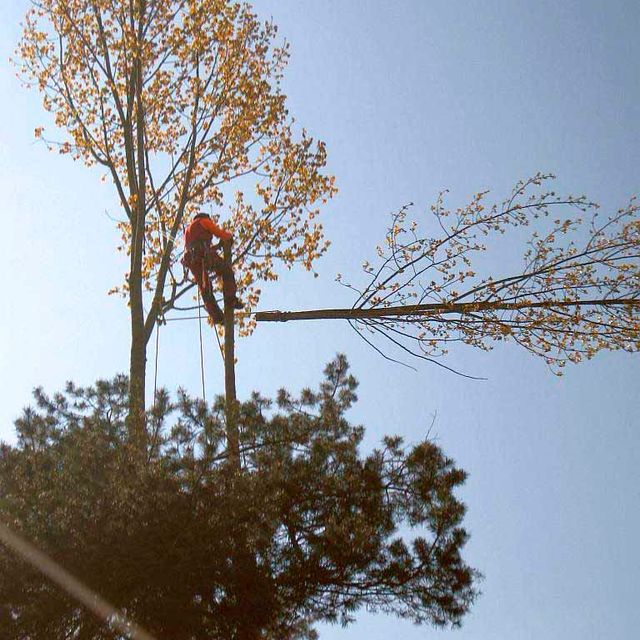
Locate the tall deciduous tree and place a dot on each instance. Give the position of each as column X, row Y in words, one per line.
column 326, row 529
column 179, row 101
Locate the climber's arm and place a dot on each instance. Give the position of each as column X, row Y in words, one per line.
column 216, row 230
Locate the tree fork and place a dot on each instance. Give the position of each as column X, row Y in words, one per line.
column 137, row 370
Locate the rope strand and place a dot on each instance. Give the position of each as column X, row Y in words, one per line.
column 219, row 343
column 238, row 313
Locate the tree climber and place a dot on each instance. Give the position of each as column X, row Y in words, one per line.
column 201, row 257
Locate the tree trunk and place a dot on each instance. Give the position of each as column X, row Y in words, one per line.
column 138, row 361
column 137, row 372
column 244, row 562
column 231, row 401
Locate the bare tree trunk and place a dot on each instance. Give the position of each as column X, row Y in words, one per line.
column 137, row 380
column 138, row 354
column 244, row 561
column 231, row 400
column 138, row 362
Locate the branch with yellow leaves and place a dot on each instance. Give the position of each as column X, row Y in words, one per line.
column 577, row 293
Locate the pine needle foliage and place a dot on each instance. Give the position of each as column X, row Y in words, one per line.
column 325, row 528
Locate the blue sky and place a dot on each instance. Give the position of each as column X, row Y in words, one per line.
column 411, row 97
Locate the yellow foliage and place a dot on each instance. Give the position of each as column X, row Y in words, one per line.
column 179, row 100
column 577, row 292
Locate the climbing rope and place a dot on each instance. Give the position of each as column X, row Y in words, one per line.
column 202, row 364
column 219, row 344
column 237, row 313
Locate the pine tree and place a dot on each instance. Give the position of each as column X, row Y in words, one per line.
column 328, row 528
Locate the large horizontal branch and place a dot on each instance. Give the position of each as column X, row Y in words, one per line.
column 436, row 308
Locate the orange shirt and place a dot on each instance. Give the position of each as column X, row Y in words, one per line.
column 204, row 229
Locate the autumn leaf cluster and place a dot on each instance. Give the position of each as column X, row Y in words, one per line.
column 576, row 293
column 179, row 102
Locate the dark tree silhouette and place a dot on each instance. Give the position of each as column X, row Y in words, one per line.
column 310, row 531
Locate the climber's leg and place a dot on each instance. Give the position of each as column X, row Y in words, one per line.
column 197, row 267
column 224, row 271
column 209, row 299
column 211, row 306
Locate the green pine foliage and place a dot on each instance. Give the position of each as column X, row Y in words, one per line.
column 311, row 530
